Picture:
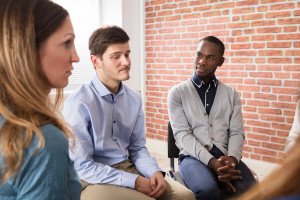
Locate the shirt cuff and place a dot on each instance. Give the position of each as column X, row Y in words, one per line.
column 128, row 180
column 151, row 170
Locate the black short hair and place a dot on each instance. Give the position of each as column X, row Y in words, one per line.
column 216, row 41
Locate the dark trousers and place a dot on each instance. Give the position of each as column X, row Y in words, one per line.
column 204, row 182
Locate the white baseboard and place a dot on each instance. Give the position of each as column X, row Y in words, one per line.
column 261, row 168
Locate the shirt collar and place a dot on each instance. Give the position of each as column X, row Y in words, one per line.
column 198, row 81
column 102, row 89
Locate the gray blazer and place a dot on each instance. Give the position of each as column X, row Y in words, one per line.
column 195, row 132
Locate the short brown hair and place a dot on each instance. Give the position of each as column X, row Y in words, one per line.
column 105, row 36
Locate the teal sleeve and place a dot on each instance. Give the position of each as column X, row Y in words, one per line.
column 48, row 173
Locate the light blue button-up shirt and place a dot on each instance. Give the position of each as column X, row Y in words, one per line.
column 109, row 129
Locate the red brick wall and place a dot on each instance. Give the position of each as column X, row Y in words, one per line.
column 262, row 42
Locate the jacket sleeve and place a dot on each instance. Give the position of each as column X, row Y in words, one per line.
column 236, row 129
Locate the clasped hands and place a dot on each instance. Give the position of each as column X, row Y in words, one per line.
column 225, row 168
column 153, row 187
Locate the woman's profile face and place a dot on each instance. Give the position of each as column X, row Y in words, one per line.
column 57, row 54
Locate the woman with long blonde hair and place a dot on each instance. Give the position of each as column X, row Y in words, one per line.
column 36, row 55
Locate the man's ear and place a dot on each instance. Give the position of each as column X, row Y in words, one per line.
column 96, row 61
column 222, row 61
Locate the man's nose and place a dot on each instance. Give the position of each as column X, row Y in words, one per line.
column 202, row 61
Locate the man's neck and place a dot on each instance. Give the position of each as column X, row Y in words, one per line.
column 112, row 85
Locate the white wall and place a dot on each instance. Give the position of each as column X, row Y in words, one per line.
column 88, row 15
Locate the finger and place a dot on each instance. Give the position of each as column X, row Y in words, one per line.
column 225, row 177
column 161, row 192
column 157, row 191
column 153, row 183
column 154, row 192
column 233, row 171
column 236, row 178
column 230, row 187
column 223, row 169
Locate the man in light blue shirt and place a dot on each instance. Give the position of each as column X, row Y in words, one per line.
column 107, row 118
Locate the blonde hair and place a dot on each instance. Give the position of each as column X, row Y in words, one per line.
column 24, row 98
column 283, row 181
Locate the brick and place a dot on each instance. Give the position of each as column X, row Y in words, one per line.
column 182, row 11
column 260, row 60
column 278, row 140
column 245, row 53
column 288, row 36
column 202, row 8
column 269, row 30
column 262, row 8
column 295, row 84
column 238, row 25
column 281, row 75
column 249, row 31
column 282, row 14
column 250, row 116
column 173, row 18
column 258, row 137
column 283, row 105
column 258, row 103
column 169, row 6
column 262, row 37
column 283, row 6
column 279, row 60
column 255, row 156
column 252, row 17
column 211, row 13
column 270, row 53
column 217, row 20
column 264, row 96
column 263, row 23
column 269, row 82
column 290, row 29
column 248, row 88
column 279, row 44
column 247, row 3
column 241, row 60
column 243, row 10
column 258, row 45
column 292, row 53
column 224, row 5
column 265, row 152
column 269, row 145
column 261, row 74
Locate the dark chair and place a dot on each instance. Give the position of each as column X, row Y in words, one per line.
column 173, row 152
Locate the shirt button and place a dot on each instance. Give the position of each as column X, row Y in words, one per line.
column 115, row 139
column 114, row 121
column 210, row 125
column 205, row 114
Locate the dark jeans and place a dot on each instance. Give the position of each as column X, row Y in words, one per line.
column 204, row 182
